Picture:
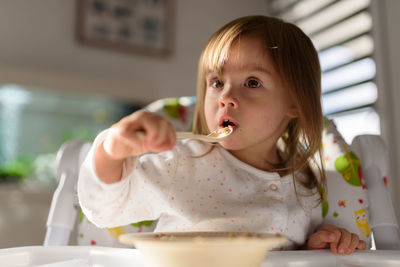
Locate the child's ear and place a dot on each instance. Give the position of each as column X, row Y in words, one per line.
column 293, row 107
column 293, row 111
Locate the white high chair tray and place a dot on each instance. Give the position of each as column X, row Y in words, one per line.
column 81, row 256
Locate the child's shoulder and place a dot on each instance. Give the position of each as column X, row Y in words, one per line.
column 306, row 189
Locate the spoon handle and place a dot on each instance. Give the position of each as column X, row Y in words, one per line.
column 186, row 135
column 205, row 138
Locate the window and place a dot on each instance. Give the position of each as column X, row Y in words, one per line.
column 341, row 32
column 34, row 124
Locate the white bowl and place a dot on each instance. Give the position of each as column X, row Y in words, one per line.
column 211, row 249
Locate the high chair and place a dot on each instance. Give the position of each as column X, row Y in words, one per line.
column 351, row 194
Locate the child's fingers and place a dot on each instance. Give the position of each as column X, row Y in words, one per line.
column 164, row 138
column 320, row 239
column 118, row 146
column 326, row 236
column 353, row 244
column 332, row 229
column 147, row 131
column 336, row 234
column 153, row 127
column 172, row 137
column 344, row 242
column 137, row 134
column 323, row 237
column 361, row 245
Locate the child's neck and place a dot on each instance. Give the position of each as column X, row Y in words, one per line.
column 270, row 162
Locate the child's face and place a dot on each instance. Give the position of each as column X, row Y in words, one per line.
column 250, row 94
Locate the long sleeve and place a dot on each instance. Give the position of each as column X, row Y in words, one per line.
column 141, row 194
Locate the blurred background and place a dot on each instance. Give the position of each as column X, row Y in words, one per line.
column 69, row 69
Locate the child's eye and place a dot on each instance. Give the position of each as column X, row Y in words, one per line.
column 217, row 84
column 251, row 83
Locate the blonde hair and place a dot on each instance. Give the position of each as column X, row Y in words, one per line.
column 296, row 60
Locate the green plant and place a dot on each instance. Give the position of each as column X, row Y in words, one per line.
column 16, row 170
column 81, row 133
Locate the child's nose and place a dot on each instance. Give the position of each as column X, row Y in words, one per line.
column 227, row 99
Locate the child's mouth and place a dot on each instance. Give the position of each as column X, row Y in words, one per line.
column 226, row 123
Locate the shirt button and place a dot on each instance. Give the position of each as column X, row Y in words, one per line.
column 273, row 187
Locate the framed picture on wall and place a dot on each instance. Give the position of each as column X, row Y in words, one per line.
column 136, row 26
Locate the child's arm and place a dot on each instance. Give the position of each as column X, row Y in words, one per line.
column 339, row 240
column 123, row 141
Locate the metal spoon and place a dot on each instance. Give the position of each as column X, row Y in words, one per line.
column 214, row 137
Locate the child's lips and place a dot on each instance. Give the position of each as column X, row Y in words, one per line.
column 226, row 120
column 231, row 123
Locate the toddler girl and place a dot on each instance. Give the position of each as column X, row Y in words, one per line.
column 261, row 76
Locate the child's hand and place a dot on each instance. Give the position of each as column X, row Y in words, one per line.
column 339, row 240
column 156, row 135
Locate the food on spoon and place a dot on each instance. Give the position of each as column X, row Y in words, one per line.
column 225, row 130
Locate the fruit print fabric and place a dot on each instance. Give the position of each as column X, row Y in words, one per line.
column 90, row 235
column 346, row 202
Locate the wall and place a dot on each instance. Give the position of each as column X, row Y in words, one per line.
column 23, row 215
column 37, row 48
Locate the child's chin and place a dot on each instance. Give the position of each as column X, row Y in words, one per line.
column 230, row 145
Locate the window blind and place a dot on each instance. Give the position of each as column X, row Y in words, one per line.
column 341, row 32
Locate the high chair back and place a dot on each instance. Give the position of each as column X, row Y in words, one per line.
column 353, row 193
column 64, row 205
